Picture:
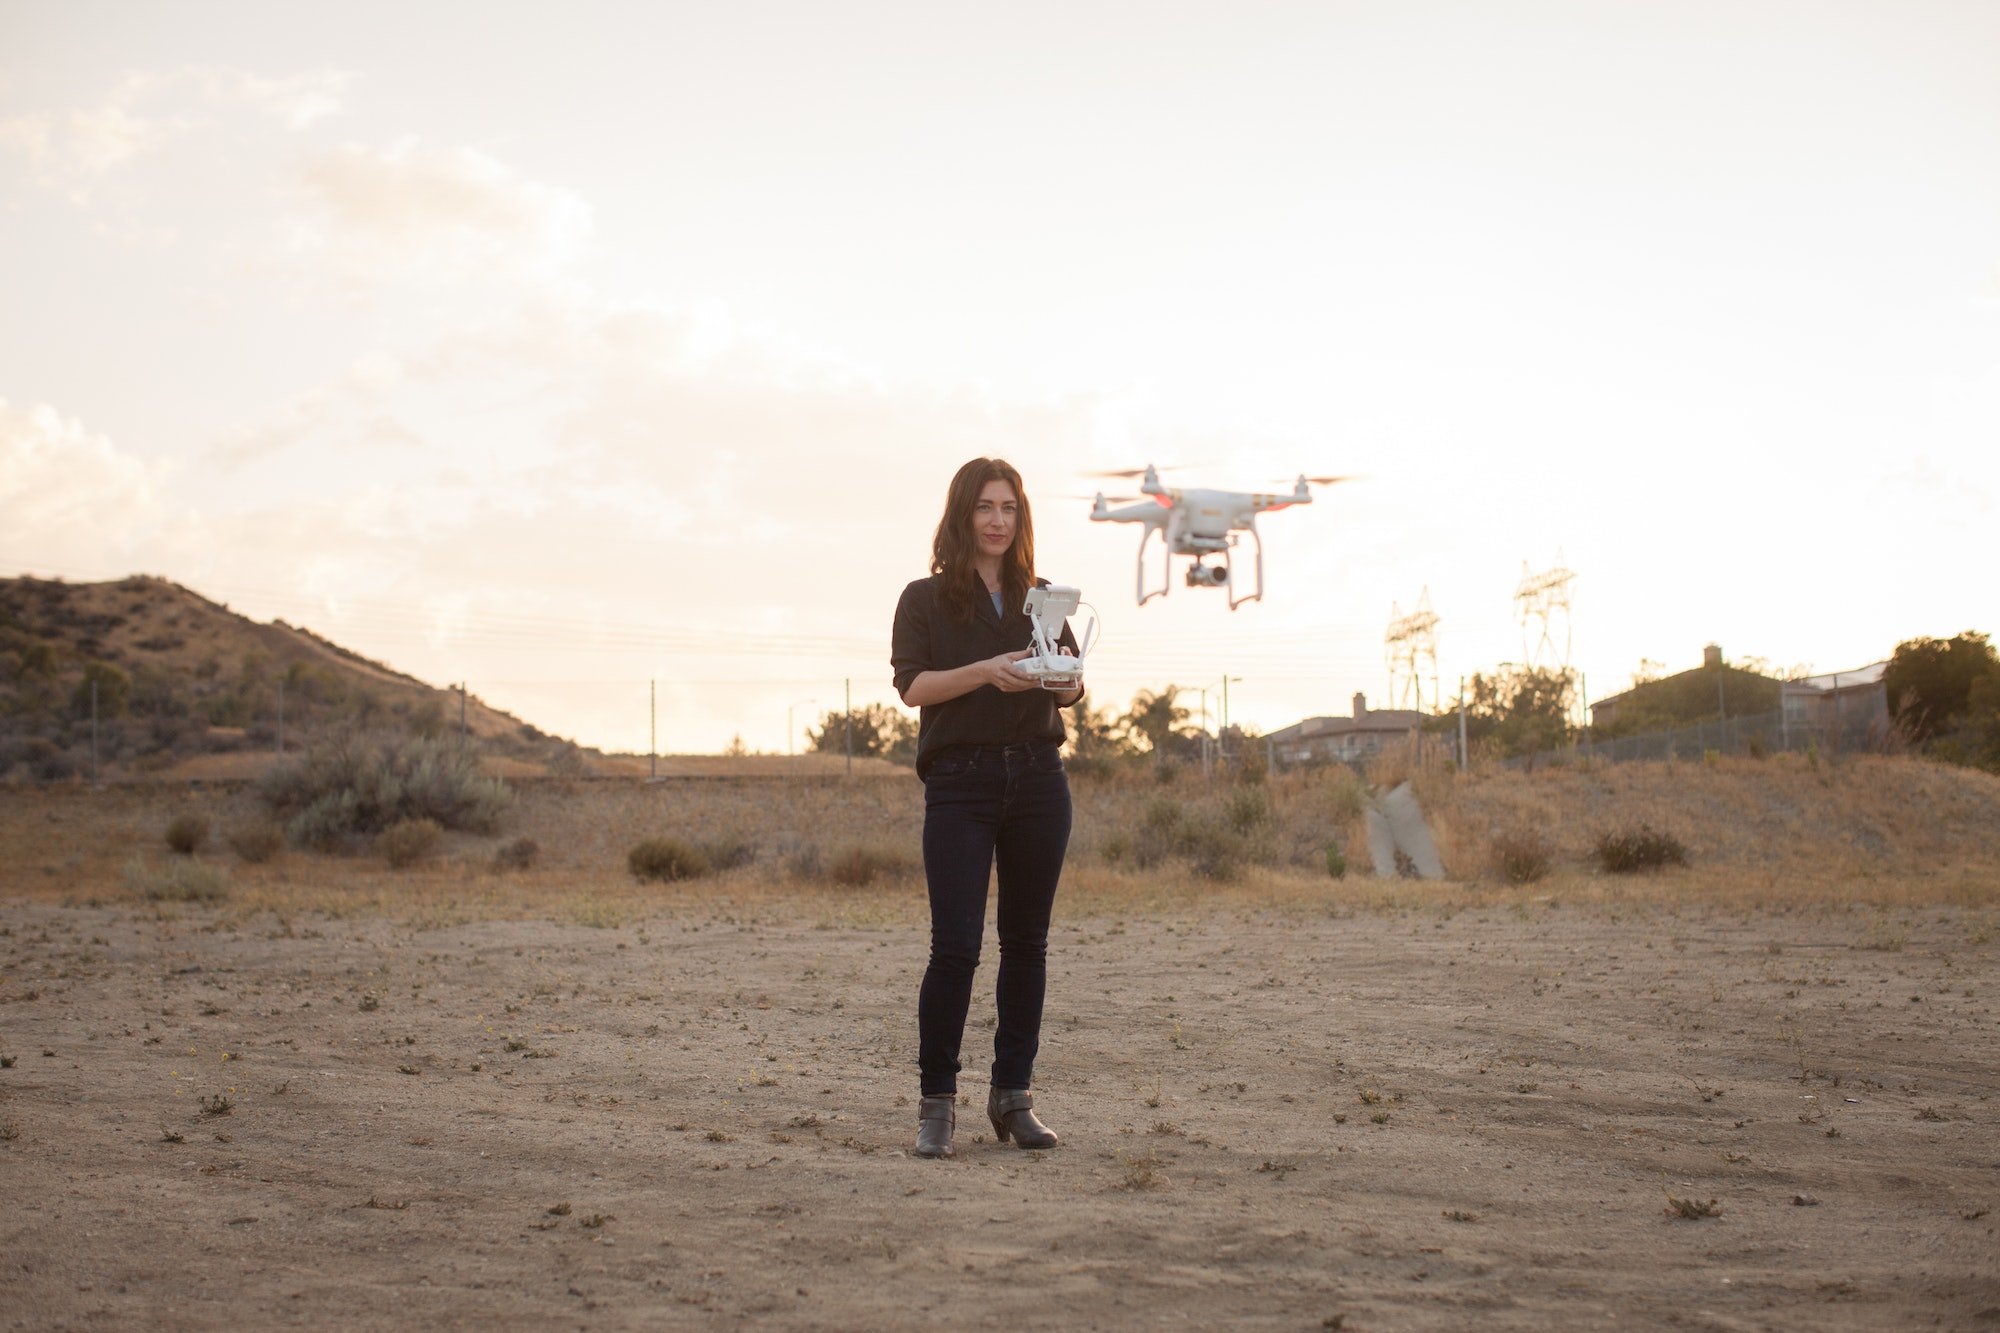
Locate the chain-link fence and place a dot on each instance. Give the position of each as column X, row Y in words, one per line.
column 1864, row 731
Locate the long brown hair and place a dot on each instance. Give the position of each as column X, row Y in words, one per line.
column 953, row 548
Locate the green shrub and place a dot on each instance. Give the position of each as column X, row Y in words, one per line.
column 520, row 854
column 1641, row 848
column 187, row 832
column 1522, row 857
column 408, row 841
column 858, row 866
column 666, row 859
column 183, row 879
column 1336, row 861
column 354, row 785
column 257, row 841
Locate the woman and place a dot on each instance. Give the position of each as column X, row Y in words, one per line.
column 989, row 752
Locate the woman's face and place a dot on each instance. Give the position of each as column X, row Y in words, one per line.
column 994, row 517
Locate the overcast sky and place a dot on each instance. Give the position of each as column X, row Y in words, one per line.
column 554, row 348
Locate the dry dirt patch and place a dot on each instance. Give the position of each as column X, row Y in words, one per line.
column 1424, row 1117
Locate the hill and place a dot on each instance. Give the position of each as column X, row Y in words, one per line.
column 183, row 681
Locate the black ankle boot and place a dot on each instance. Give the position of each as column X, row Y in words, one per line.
column 1012, row 1111
column 936, row 1117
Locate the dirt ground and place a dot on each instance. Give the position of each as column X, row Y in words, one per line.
column 1436, row 1115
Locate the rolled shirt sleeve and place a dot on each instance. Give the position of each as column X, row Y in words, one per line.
column 910, row 652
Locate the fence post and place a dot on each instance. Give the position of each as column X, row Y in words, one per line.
column 93, row 731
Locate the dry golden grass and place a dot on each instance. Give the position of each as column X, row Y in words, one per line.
column 1773, row 833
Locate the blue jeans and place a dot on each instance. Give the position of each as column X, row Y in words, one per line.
column 984, row 804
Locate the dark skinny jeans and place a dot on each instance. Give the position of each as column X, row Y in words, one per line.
column 984, row 804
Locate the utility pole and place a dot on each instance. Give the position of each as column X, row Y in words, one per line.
column 93, row 731
column 461, row 710
column 791, row 731
column 849, row 728
column 653, row 730
column 1461, row 724
column 281, row 714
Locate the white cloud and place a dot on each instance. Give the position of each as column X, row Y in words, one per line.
column 69, row 152
column 67, row 496
column 411, row 213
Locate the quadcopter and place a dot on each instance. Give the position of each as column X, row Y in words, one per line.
column 1204, row 524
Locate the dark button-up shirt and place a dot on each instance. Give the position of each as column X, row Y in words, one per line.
column 929, row 638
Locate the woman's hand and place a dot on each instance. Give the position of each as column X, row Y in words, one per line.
column 999, row 672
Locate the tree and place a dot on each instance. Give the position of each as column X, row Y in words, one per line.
column 1153, row 719
column 114, row 691
column 1930, row 682
column 1096, row 734
column 880, row 732
column 1517, row 711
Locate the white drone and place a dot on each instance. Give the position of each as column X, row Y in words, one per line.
column 1202, row 524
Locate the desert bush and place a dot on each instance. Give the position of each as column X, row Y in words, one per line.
column 729, row 853
column 859, row 865
column 354, row 785
column 257, row 841
column 1336, row 861
column 184, row 879
column 186, row 833
column 803, row 861
column 666, row 859
column 520, row 854
column 1522, row 856
column 1247, row 810
column 1215, row 851
column 408, row 841
column 1643, row 848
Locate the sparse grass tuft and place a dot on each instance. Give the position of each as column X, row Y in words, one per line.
column 1692, row 1209
column 1522, row 856
column 664, row 860
column 860, row 865
column 181, row 880
column 520, row 854
column 217, row 1105
column 1627, row 851
column 187, row 832
column 257, row 841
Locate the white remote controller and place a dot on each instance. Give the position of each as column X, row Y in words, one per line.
column 1047, row 610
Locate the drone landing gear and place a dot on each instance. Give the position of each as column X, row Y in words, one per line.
column 1257, row 596
column 1166, row 566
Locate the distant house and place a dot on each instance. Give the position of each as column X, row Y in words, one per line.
column 1852, row 705
column 1713, row 689
column 1344, row 739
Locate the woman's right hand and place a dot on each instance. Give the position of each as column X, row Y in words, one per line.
column 999, row 672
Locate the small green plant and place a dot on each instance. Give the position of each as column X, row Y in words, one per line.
column 1643, row 848
column 520, row 854
column 257, row 841
column 1521, row 856
column 182, row 879
column 187, row 832
column 408, row 841
column 1336, row 861
column 217, row 1105
column 664, row 860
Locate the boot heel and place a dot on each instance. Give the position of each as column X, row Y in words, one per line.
column 999, row 1129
